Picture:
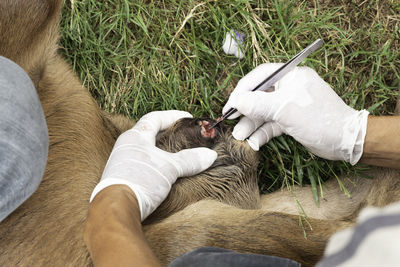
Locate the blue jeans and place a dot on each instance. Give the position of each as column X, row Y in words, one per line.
column 24, row 139
column 218, row 257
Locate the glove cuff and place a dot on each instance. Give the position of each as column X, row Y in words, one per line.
column 359, row 138
column 144, row 212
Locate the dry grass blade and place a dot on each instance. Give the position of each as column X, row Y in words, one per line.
column 189, row 16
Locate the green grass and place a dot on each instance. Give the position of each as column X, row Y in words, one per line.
column 140, row 56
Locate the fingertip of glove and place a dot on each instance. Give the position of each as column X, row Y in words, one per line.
column 205, row 157
column 254, row 145
column 209, row 153
column 226, row 107
column 181, row 113
column 238, row 134
column 202, row 154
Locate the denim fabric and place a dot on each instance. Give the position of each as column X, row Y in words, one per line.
column 218, row 257
column 23, row 137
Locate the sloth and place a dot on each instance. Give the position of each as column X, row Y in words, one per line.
column 220, row 207
column 232, row 179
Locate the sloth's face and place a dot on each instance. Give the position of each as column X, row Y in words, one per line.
column 189, row 133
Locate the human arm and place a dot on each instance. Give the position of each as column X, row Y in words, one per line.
column 113, row 232
column 305, row 107
column 382, row 142
column 138, row 177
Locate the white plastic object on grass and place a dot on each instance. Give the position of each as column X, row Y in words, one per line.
column 233, row 43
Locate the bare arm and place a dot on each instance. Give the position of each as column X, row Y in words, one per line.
column 137, row 178
column 382, row 142
column 113, row 232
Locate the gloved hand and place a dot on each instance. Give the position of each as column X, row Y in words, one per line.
column 303, row 106
column 135, row 161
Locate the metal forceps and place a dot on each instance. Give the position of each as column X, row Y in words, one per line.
column 278, row 74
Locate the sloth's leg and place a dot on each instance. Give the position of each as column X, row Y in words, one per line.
column 210, row 223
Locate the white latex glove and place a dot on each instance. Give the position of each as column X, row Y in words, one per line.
column 135, row 161
column 303, row 106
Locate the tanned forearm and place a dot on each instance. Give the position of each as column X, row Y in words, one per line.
column 113, row 232
column 382, row 142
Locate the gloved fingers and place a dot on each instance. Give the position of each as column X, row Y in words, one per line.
column 245, row 127
column 160, row 120
column 193, row 161
column 234, row 115
column 257, row 105
column 153, row 122
column 263, row 134
column 250, row 81
column 228, row 106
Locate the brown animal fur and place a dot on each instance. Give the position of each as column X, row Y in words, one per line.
column 47, row 230
column 397, row 109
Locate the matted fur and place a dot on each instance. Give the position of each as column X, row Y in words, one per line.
column 47, row 230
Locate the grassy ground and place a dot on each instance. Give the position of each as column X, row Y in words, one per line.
column 139, row 56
